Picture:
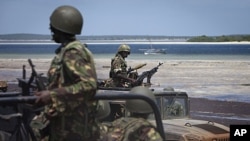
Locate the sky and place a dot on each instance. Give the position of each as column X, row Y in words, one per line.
column 132, row 17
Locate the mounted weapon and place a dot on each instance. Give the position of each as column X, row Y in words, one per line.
column 146, row 74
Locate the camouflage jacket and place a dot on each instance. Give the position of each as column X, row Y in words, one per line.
column 72, row 85
column 118, row 65
column 130, row 129
column 175, row 109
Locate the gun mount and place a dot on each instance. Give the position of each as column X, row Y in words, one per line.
column 36, row 81
column 146, row 74
column 136, row 67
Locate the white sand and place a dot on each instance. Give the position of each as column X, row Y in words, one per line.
column 216, row 79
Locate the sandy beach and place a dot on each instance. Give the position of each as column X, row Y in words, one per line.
column 214, row 86
column 223, row 79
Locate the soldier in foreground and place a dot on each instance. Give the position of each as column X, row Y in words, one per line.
column 135, row 127
column 70, row 108
column 118, row 72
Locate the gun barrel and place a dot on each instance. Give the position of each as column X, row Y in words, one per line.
column 30, row 63
column 17, row 99
column 139, row 66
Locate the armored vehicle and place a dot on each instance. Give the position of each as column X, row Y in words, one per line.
column 3, row 86
column 174, row 109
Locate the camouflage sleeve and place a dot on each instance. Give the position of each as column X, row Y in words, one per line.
column 117, row 65
column 149, row 134
column 79, row 73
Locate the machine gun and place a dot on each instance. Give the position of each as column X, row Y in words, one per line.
column 136, row 67
column 39, row 79
column 147, row 74
column 39, row 83
column 132, row 72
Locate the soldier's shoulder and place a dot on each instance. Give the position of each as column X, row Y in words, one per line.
column 117, row 57
column 116, row 60
column 75, row 44
column 78, row 48
column 132, row 122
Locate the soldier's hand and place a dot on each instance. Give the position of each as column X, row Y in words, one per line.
column 133, row 80
column 43, row 98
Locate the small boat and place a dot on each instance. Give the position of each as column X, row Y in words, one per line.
column 154, row 51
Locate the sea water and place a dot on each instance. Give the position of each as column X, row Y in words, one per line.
column 175, row 51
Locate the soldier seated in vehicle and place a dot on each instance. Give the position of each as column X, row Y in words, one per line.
column 118, row 72
column 135, row 126
column 174, row 108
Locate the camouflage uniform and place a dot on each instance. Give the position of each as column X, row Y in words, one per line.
column 175, row 109
column 73, row 73
column 133, row 128
column 118, row 65
column 130, row 129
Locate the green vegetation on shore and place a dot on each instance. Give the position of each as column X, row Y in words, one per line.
column 229, row 38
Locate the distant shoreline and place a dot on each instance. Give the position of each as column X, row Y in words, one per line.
column 118, row 42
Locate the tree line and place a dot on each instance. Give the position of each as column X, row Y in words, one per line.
column 223, row 38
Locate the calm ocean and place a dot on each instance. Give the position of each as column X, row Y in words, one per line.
column 175, row 51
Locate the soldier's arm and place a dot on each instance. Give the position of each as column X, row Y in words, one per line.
column 116, row 64
column 150, row 134
column 118, row 68
column 80, row 69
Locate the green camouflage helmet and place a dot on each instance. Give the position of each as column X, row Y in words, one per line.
column 124, row 47
column 140, row 106
column 67, row 19
column 103, row 109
